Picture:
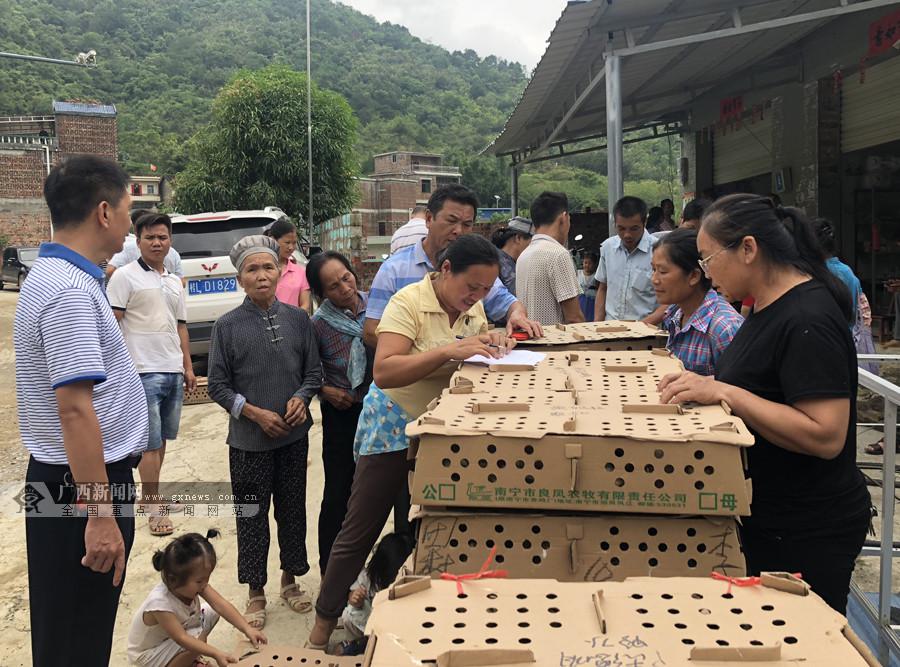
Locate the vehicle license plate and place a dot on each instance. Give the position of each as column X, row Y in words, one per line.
column 212, row 285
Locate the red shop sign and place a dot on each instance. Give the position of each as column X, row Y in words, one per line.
column 884, row 33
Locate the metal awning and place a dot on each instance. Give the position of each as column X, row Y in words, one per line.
column 671, row 52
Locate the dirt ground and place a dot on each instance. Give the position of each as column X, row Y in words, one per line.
column 198, row 454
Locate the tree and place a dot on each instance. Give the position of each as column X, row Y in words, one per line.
column 254, row 153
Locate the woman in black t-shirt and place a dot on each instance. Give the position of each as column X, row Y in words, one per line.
column 790, row 374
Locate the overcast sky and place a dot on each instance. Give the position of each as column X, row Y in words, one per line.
column 509, row 29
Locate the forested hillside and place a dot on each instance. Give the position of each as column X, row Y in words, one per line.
column 163, row 62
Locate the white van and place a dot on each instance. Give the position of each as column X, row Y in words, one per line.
column 204, row 240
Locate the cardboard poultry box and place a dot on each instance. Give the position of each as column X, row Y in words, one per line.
column 607, row 547
column 563, row 371
column 581, row 451
column 643, row 622
column 597, row 336
column 269, row 655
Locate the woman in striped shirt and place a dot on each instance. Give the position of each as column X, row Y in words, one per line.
column 699, row 321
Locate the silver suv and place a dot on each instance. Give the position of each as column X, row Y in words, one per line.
column 204, row 240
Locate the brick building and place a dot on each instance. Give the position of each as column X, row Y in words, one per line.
column 30, row 146
column 400, row 180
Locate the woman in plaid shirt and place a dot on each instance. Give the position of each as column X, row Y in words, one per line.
column 699, row 321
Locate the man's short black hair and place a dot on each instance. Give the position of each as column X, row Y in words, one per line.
column 151, row 219
column 454, row 192
column 628, row 207
column 76, row 187
column 547, row 206
column 694, row 209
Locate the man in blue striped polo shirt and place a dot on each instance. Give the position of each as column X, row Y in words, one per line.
column 82, row 416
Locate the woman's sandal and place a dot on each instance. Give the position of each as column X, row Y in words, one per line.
column 161, row 526
column 299, row 603
column 256, row 619
column 316, row 647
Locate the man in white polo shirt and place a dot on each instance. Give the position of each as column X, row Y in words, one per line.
column 148, row 302
column 82, row 417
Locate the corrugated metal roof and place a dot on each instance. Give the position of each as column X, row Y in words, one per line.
column 84, row 109
column 657, row 85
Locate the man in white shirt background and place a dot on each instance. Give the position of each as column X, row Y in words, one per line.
column 410, row 233
column 130, row 251
column 149, row 303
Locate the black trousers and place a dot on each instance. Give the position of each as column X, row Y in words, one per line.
column 277, row 476
column 338, row 433
column 826, row 559
column 73, row 609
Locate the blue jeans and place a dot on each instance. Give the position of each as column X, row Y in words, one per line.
column 165, row 394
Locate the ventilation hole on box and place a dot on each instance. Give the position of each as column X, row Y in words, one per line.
column 701, row 548
column 489, row 544
column 613, row 530
column 755, row 642
column 746, row 626
column 653, row 562
column 691, row 562
column 462, row 596
column 459, row 625
column 545, row 545
column 778, row 622
column 431, row 609
column 424, row 640
column 768, row 607
column 689, row 642
column 490, row 640
column 705, row 612
column 536, row 560
column 524, row 640
column 614, row 560
column 681, row 626
column 696, row 596
column 709, row 470
column 659, row 484
column 620, row 481
column 520, row 464
column 669, row 469
column 455, row 477
column 501, row 463
column 498, row 528
column 681, row 548
column 521, row 596
column 652, row 532
column 604, row 546
column 637, row 596
column 427, row 624
column 649, row 468
column 461, row 610
column 553, row 610
column 492, row 449
column 454, row 448
column 482, row 463
column 623, row 546
column 491, row 596
column 673, row 611
column 609, row 467
column 648, row 625
column 712, row 626
column 508, row 544
column 522, row 610
column 555, row 624
column 663, row 547
column 619, row 452
column 642, row 546
column 463, row 558
column 641, row 611
column 667, row 596
column 551, row 596
column 790, row 640
column 491, row 624
column 737, row 610
column 529, row 449
column 458, row 640
column 699, row 485
column 688, row 470
column 698, row 454
column 658, row 453
column 536, row 529
column 446, row 463
column 529, row 479
column 492, row 478
column 500, row 558
column 454, row 543
column 721, row 642
column 526, row 544
column 464, row 463
column 629, row 467
column 538, row 465
column 691, row 532
column 491, row 610
column 727, row 596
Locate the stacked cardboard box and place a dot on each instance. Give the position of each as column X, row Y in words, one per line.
column 641, row 622
column 584, row 475
column 598, row 337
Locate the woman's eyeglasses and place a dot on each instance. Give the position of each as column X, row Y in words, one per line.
column 704, row 263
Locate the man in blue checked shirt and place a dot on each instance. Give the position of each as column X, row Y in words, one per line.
column 451, row 213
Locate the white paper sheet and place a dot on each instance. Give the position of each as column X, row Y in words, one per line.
column 514, row 358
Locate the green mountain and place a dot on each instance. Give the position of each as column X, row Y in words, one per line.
column 162, row 63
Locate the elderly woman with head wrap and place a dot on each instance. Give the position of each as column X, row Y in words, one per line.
column 264, row 370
